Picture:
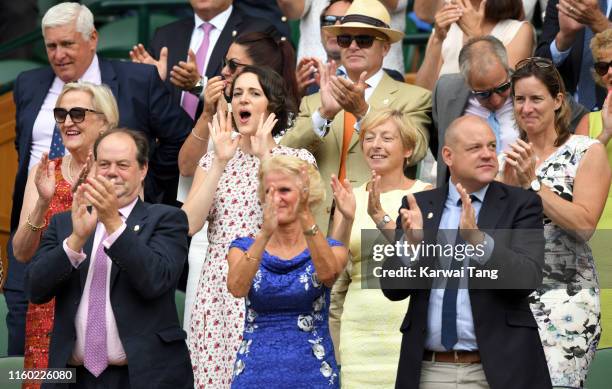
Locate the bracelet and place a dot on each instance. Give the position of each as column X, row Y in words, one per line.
column 197, row 137
column 32, row 227
column 249, row 258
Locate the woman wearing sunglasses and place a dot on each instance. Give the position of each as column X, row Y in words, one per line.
column 83, row 110
column 571, row 175
column 460, row 20
column 255, row 49
column 224, row 192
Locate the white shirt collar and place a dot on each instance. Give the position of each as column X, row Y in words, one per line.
column 218, row 21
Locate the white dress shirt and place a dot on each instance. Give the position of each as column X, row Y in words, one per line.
column 509, row 132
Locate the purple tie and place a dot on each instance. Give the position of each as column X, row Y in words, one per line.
column 96, row 353
column 190, row 102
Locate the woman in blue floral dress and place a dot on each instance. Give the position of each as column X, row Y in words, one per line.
column 286, row 273
column 571, row 175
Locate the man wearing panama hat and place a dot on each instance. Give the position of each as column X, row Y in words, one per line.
column 328, row 121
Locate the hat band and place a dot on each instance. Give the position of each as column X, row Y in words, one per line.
column 363, row 19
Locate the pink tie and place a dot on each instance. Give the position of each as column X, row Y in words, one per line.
column 96, row 353
column 190, row 102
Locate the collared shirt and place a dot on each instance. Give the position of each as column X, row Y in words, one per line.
column 509, row 132
column 42, row 131
column 318, row 122
column 449, row 224
column 197, row 36
column 116, row 353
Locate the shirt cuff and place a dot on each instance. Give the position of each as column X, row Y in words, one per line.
column 357, row 125
column 487, row 248
column 318, row 124
column 558, row 57
column 108, row 242
column 74, row 257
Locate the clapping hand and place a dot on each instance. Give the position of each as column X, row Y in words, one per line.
column 100, row 192
column 329, row 105
column 83, row 222
column 139, row 54
column 304, row 72
column 471, row 18
column 523, row 159
column 606, row 116
column 260, row 141
column 45, row 178
column 449, row 13
column 89, row 163
column 344, row 196
column 270, row 218
column 303, row 206
column 213, row 94
column 221, row 132
column 467, row 222
column 584, row 12
column 350, row 95
column 185, row 75
column 412, row 220
column 375, row 209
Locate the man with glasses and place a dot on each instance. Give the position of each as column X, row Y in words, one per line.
column 481, row 89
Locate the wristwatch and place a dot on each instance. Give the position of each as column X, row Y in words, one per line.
column 385, row 220
column 535, row 185
column 312, row 231
column 199, row 87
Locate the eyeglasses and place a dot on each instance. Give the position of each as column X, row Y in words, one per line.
column 329, row 20
column 601, row 67
column 77, row 114
column 232, row 64
column 485, row 94
column 363, row 41
column 535, row 61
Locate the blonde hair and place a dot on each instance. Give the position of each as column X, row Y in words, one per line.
column 599, row 43
column 102, row 99
column 412, row 137
column 291, row 166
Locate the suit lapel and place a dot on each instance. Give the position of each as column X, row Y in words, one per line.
column 40, row 92
column 109, row 77
column 432, row 210
column 492, row 207
column 137, row 217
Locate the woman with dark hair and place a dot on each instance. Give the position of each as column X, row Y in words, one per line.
column 571, row 175
column 255, row 49
column 458, row 21
column 224, row 193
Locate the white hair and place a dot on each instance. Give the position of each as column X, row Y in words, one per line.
column 67, row 13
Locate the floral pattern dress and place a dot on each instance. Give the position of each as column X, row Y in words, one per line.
column 566, row 306
column 217, row 317
column 286, row 341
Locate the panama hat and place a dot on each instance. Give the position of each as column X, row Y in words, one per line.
column 370, row 14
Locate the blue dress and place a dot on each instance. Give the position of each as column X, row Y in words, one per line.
column 286, row 341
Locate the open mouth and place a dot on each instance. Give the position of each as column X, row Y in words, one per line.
column 378, row 156
column 71, row 133
column 244, row 116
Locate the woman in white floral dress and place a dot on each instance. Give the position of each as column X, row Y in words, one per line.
column 224, row 192
column 571, row 175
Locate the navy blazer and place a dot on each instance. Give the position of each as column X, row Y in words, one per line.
column 506, row 331
column 146, row 264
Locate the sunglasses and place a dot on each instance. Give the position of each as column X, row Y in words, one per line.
column 601, row 67
column 329, row 20
column 77, row 114
column 534, row 61
column 232, row 64
column 485, row 94
column 363, row 41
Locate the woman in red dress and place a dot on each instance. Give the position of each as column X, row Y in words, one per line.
column 83, row 110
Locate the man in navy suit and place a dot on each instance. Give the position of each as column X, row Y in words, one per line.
column 113, row 270
column 144, row 105
column 456, row 332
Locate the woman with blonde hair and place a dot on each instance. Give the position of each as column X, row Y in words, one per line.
column 286, row 272
column 82, row 111
column 368, row 337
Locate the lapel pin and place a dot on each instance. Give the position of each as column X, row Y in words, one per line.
column 386, row 101
column 234, row 33
column 430, row 215
column 136, row 228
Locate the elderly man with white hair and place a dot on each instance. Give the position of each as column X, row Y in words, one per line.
column 144, row 105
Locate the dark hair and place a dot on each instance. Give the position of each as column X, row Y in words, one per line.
column 141, row 142
column 274, row 88
column 278, row 54
column 550, row 77
column 497, row 10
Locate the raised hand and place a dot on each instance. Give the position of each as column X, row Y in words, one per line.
column 349, row 95
column 375, row 209
column 523, row 159
column 185, row 75
column 89, row 164
column 304, row 72
column 412, row 220
column 139, row 54
column 606, row 116
column 45, row 178
column 221, row 131
column 467, row 222
column 344, row 196
column 213, row 94
column 329, row 105
column 304, row 185
column 270, row 217
column 83, row 221
column 449, row 13
column 471, row 18
column 260, row 140
column 100, row 192
column 584, row 12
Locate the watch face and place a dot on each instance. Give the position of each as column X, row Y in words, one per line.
column 535, row 185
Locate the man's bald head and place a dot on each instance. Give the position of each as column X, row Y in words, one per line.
column 453, row 132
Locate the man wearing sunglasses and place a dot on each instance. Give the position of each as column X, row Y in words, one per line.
column 326, row 122
column 482, row 89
